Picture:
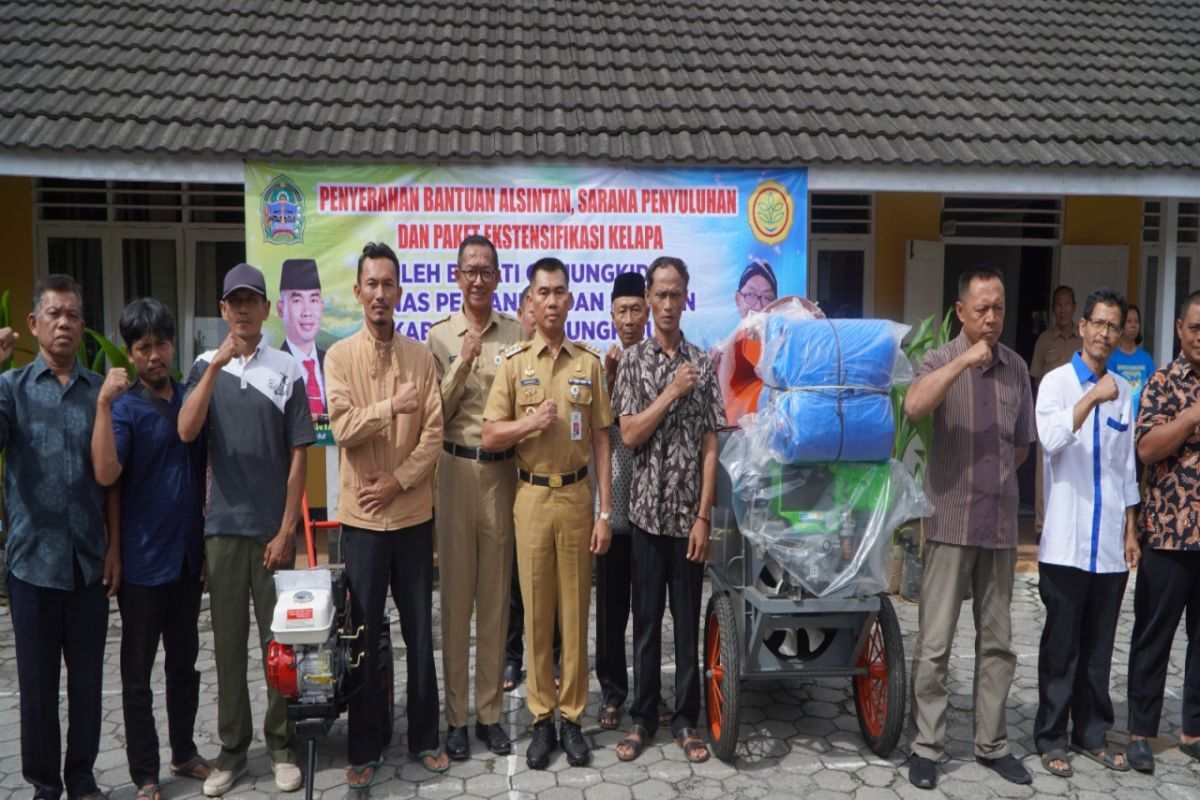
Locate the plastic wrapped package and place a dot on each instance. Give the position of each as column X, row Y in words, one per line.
column 829, row 526
column 828, row 425
column 855, row 353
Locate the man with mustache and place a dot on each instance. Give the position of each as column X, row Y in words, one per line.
column 475, row 496
column 385, row 410
column 251, row 399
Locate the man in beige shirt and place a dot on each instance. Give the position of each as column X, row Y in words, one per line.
column 474, row 522
column 385, row 409
column 1053, row 348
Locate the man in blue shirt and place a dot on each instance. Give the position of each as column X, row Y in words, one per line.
column 62, row 568
column 135, row 441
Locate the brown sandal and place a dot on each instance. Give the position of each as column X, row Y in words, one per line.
column 635, row 741
column 693, row 746
column 197, row 767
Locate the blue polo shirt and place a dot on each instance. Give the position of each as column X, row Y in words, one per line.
column 55, row 507
column 162, row 491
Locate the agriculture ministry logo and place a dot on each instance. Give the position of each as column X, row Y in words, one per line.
column 282, row 212
column 770, row 212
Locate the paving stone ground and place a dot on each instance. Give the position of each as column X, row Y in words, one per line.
column 797, row 739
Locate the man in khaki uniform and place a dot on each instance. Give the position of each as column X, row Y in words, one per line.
column 1053, row 348
column 550, row 402
column 474, row 521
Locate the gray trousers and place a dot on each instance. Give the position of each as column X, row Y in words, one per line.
column 949, row 569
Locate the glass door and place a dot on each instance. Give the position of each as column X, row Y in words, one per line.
column 209, row 254
column 841, row 277
column 150, row 268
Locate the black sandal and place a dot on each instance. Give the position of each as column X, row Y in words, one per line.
column 691, row 743
column 636, row 741
column 664, row 714
column 609, row 718
column 511, row 677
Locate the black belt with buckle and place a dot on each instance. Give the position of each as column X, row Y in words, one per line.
column 477, row 453
column 553, row 481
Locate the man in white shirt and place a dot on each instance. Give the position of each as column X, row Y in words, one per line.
column 1085, row 426
column 301, row 307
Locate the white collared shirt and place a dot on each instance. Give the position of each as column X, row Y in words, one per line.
column 1090, row 475
column 298, row 354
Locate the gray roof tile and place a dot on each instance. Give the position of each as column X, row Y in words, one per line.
column 1077, row 83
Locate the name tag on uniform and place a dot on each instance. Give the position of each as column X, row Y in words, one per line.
column 530, row 382
column 576, row 426
column 579, row 382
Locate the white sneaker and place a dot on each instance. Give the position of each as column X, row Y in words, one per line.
column 221, row 781
column 288, row 777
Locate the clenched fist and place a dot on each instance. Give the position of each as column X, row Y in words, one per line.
column 8, row 341
column 979, row 355
column 405, row 400
column 115, row 382
column 471, row 347
column 545, row 415
column 1105, row 388
column 684, row 380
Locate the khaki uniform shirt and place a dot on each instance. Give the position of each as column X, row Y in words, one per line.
column 1052, row 349
column 361, row 375
column 574, row 380
column 465, row 389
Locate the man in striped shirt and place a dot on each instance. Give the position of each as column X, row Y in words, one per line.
column 978, row 392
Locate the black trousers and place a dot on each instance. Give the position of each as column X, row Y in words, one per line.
column 514, row 649
column 613, row 576
column 402, row 560
column 149, row 613
column 1075, row 658
column 52, row 627
column 1168, row 585
column 661, row 572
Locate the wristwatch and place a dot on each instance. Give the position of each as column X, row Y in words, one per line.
column 607, row 517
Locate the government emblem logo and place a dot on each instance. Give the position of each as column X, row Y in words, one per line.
column 282, row 212
column 770, row 212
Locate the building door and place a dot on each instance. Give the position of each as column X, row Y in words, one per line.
column 842, row 277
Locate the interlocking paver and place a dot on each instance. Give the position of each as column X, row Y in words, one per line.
column 797, row 739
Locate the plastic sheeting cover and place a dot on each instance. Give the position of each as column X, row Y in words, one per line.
column 829, row 526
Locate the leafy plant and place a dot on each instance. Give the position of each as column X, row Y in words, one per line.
column 917, row 436
column 116, row 356
column 925, row 337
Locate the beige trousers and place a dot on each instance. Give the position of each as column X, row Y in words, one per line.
column 554, row 531
column 474, row 526
column 949, row 569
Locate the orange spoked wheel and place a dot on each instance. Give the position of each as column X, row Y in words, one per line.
column 722, row 675
column 879, row 691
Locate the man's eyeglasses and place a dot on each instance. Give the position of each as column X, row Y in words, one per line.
column 1107, row 327
column 472, row 275
column 756, row 300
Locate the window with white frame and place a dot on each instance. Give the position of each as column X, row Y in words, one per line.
column 841, row 255
column 122, row 240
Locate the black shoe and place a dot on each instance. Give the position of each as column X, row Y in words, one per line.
column 544, row 743
column 578, row 752
column 494, row 737
column 512, row 676
column 457, row 746
column 922, row 773
column 1138, row 756
column 1007, row 767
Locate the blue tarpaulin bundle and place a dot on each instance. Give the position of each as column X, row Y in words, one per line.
column 831, row 380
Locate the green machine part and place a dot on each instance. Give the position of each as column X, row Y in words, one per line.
column 818, row 498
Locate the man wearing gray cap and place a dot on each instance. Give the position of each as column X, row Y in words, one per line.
column 301, row 307
column 252, row 398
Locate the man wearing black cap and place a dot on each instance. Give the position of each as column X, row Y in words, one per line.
column 300, row 306
column 757, row 288
column 254, row 401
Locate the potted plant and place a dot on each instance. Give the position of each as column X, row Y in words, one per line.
column 912, row 447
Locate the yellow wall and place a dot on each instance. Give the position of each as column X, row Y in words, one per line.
column 1107, row 220
column 900, row 216
column 18, row 267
